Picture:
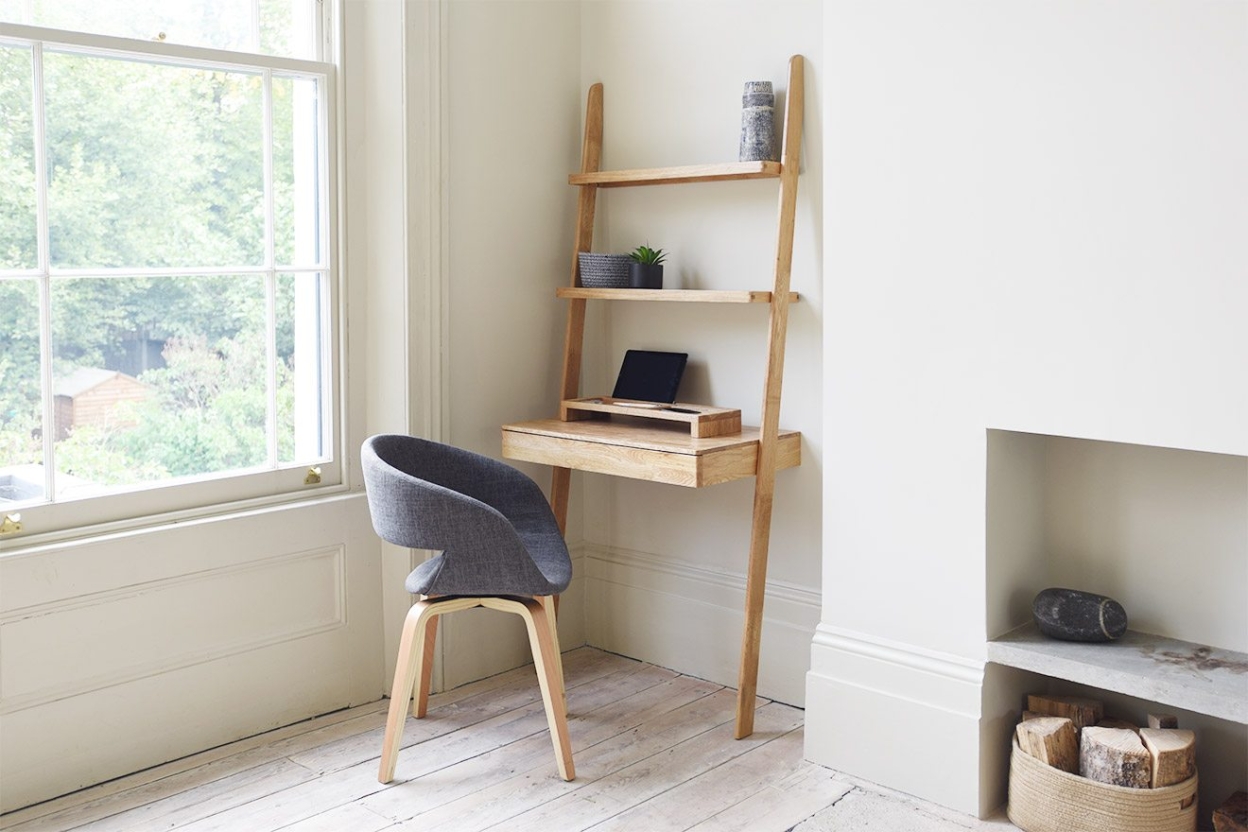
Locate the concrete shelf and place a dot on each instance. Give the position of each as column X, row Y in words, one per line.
column 1193, row 677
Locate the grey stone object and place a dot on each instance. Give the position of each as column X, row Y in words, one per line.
column 758, row 128
column 1072, row 615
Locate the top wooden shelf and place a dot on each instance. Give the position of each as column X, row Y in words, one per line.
column 726, row 172
column 670, row 295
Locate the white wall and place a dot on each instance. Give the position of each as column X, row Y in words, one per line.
column 1035, row 222
column 666, row 564
column 512, row 137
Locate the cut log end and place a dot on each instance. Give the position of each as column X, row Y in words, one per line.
column 1232, row 816
column 1163, row 721
column 1173, row 753
column 1082, row 712
column 1052, row 740
column 1115, row 756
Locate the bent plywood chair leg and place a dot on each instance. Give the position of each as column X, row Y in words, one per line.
column 546, row 657
column 420, row 702
column 550, row 603
column 407, row 670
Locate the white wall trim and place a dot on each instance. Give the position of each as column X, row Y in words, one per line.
column 713, row 582
column 956, row 668
column 871, row 693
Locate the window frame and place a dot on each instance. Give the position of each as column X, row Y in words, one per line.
column 179, row 500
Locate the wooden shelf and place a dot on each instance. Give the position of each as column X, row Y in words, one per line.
column 659, row 453
column 670, row 295
column 726, row 172
column 1190, row 676
column 702, row 421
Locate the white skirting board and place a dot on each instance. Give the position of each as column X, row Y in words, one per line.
column 898, row 715
column 689, row 618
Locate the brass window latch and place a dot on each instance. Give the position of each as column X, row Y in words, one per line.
column 314, row 475
column 11, row 524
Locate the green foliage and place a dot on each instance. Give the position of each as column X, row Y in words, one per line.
column 91, row 453
column 648, row 256
column 17, row 166
column 206, row 413
column 20, row 407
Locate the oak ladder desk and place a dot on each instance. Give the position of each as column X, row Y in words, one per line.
column 665, row 451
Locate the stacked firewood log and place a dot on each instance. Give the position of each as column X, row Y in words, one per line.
column 1073, row 734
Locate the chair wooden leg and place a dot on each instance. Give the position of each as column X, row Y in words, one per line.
column 550, row 677
column 550, row 603
column 416, row 654
column 420, row 702
column 407, row 670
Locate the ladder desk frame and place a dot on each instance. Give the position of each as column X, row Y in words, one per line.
column 588, row 181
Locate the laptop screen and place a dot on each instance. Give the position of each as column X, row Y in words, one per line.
column 650, row 376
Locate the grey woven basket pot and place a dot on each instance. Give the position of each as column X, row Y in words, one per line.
column 603, row 271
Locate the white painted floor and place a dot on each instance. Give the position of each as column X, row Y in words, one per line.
column 653, row 751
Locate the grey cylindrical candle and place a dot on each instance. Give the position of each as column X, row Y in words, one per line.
column 758, row 131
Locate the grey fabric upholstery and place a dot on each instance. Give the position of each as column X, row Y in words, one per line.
column 491, row 523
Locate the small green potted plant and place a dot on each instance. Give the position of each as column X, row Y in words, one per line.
column 646, row 269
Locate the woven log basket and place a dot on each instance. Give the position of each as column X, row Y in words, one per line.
column 1047, row 799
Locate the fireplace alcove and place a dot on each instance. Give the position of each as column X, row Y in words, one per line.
column 1162, row 530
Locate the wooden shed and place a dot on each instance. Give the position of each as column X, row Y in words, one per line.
column 90, row 395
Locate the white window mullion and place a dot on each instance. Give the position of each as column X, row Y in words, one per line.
column 255, row 26
column 44, row 248
column 270, row 281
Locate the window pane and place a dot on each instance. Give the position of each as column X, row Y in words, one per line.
column 157, row 378
column 18, row 249
column 301, row 359
column 296, row 172
column 275, row 27
column 21, row 412
column 153, row 166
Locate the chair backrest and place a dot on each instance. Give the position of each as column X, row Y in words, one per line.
column 416, row 489
column 475, row 510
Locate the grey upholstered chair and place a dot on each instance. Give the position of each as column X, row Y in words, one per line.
column 499, row 547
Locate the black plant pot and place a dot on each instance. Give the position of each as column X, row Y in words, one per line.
column 645, row 275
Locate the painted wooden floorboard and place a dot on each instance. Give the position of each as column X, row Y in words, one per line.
column 349, row 817
column 653, row 751
column 615, row 712
column 706, row 794
column 329, row 741
column 495, row 799
column 186, row 773
column 622, row 789
column 581, row 666
column 453, row 734
column 521, row 693
column 780, row 805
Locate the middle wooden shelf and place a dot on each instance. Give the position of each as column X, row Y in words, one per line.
column 658, row 453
